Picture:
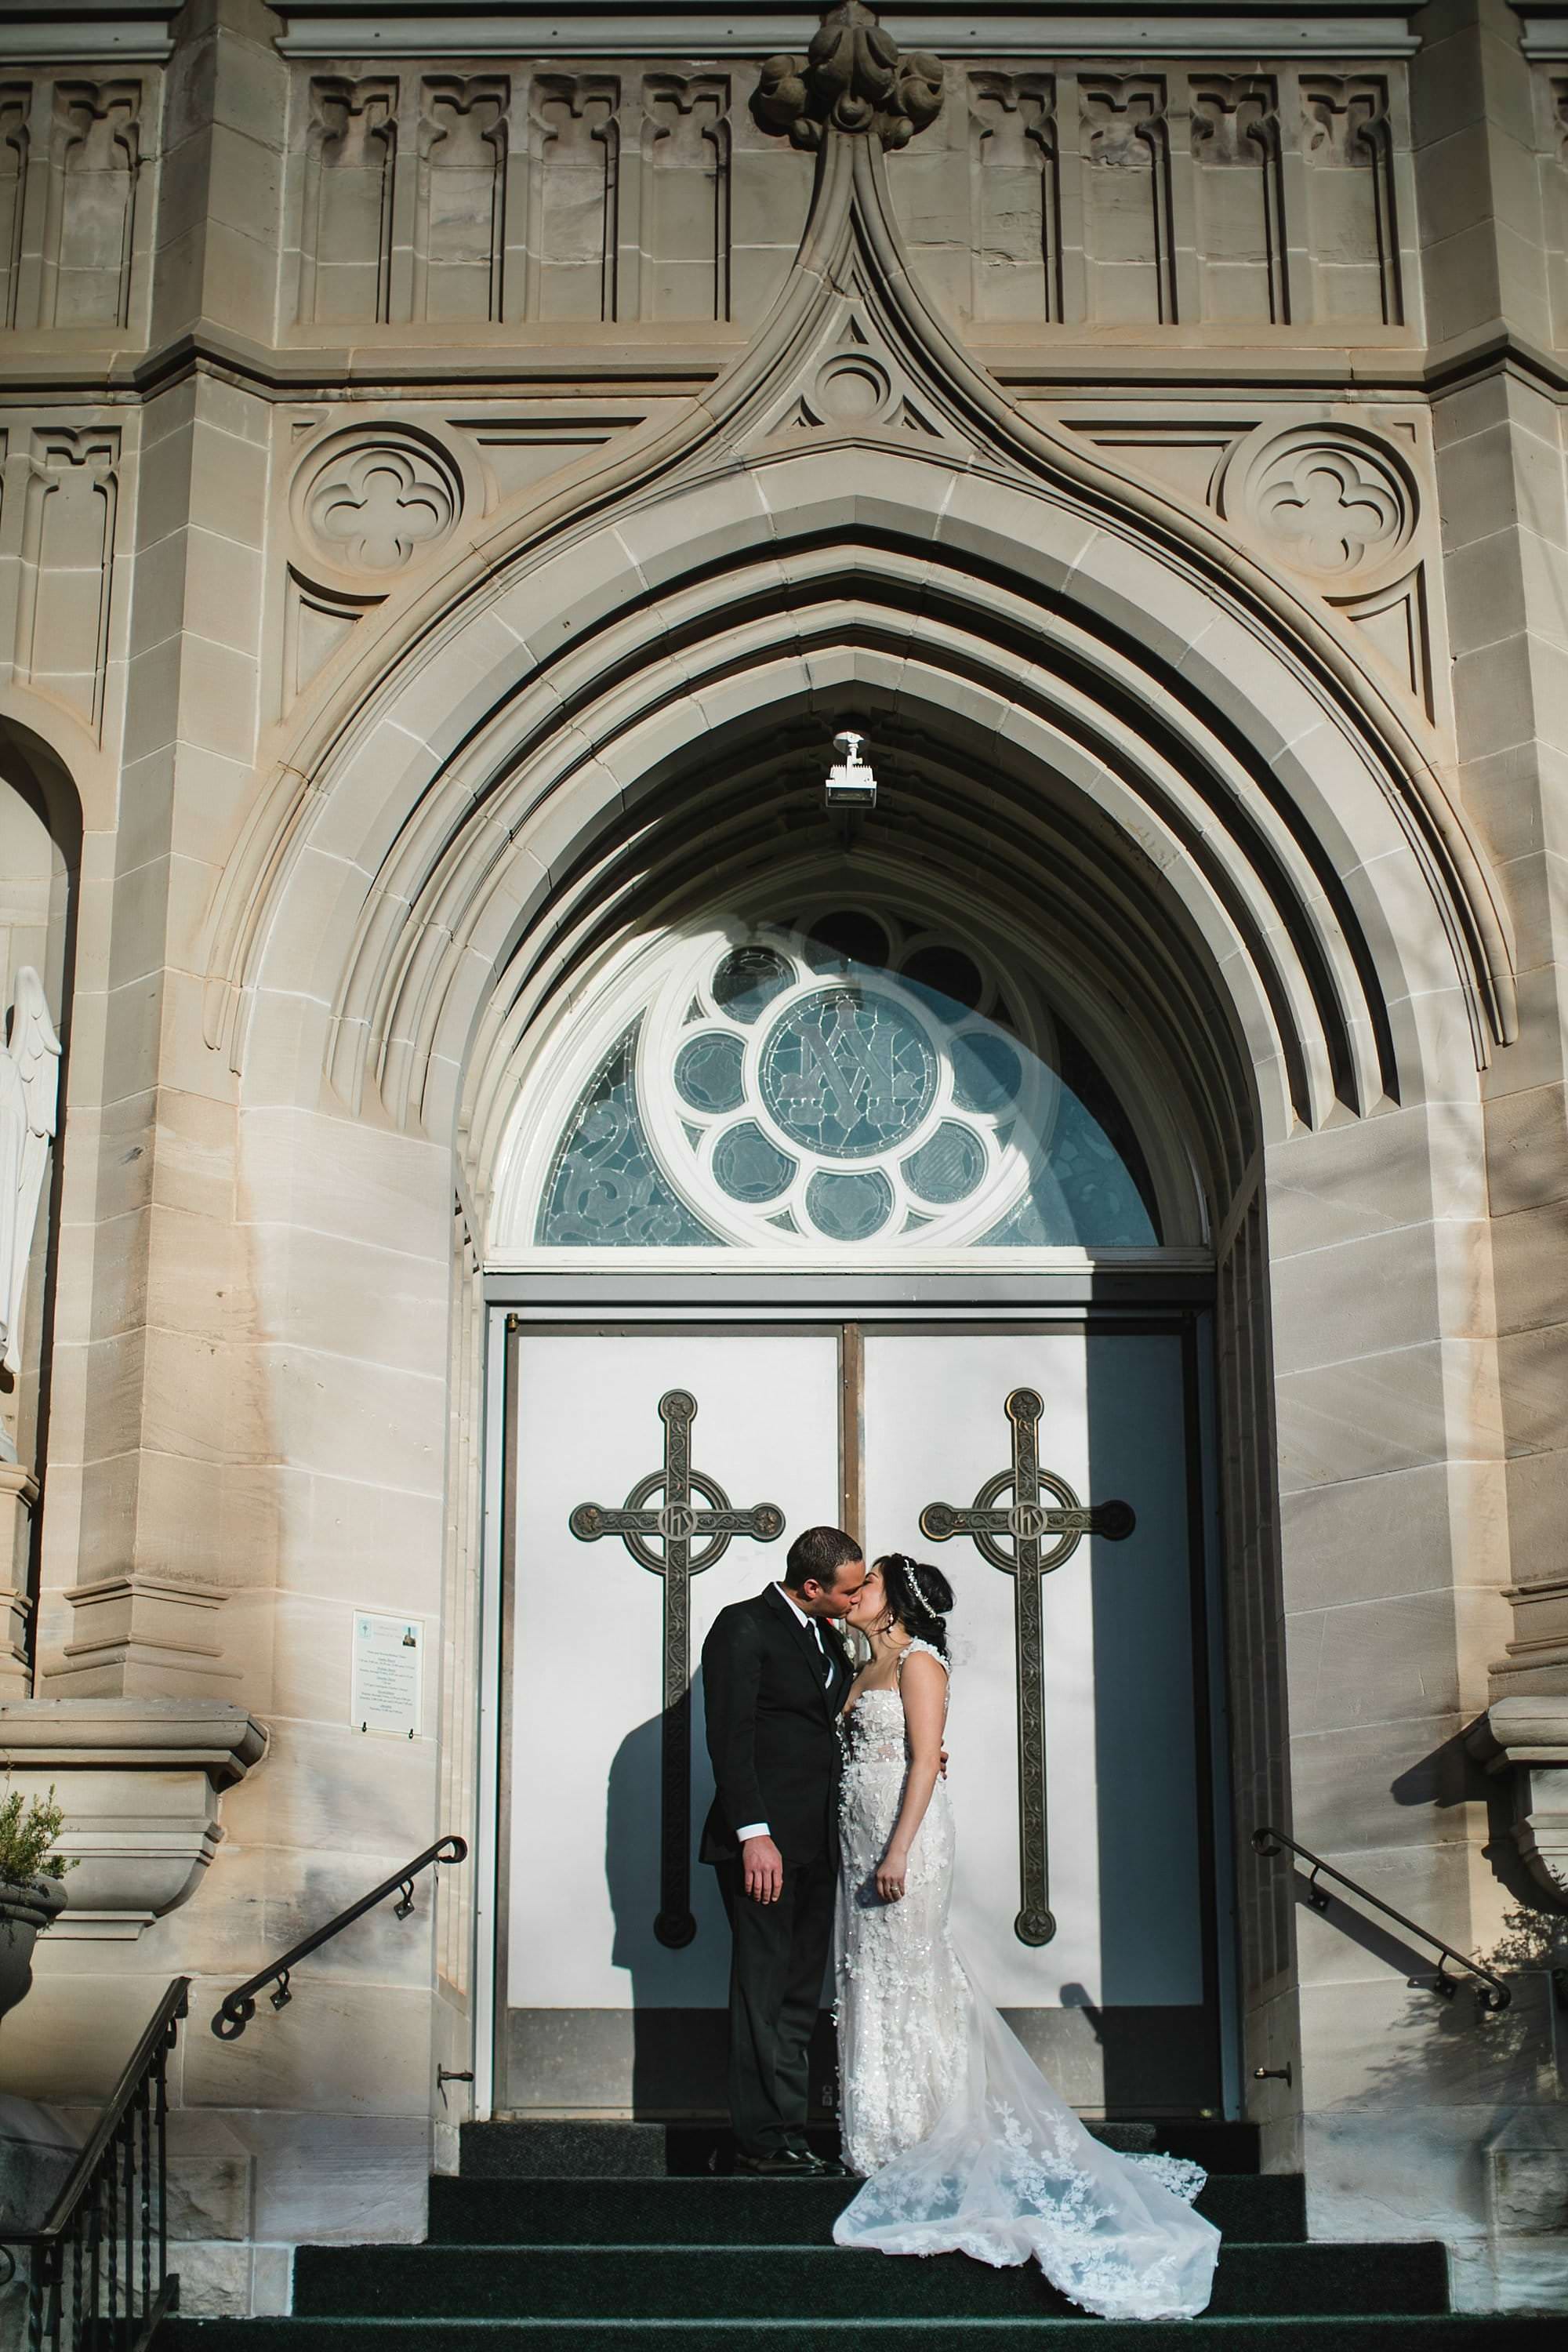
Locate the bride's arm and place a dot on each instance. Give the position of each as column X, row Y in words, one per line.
column 922, row 1686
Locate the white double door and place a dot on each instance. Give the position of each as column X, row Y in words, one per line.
column 611, row 2004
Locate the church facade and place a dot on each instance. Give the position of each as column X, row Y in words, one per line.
column 755, row 771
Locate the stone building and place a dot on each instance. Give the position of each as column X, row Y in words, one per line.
column 462, row 471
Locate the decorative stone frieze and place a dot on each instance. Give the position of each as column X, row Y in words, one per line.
column 140, row 1781
column 1526, row 1740
column 853, row 78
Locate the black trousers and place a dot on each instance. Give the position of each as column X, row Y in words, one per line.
column 779, row 1954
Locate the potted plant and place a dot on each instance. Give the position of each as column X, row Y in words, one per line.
column 31, row 1895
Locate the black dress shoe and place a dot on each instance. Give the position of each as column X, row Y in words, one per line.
column 784, row 2164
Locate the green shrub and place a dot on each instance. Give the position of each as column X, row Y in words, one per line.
column 26, row 1839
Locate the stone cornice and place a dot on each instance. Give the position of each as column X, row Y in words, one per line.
column 620, row 371
column 1004, row 28
column 102, row 32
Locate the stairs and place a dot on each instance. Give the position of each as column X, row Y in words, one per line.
column 584, row 2237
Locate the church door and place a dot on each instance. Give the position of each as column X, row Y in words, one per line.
column 1052, row 1468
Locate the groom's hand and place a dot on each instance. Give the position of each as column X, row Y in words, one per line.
column 761, row 1870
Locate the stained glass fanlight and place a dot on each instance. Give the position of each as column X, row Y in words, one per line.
column 842, row 1082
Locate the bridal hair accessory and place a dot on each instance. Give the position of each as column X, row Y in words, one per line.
column 912, row 1579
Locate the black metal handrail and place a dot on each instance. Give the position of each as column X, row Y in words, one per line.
column 1494, row 1995
column 238, row 2008
column 101, row 2275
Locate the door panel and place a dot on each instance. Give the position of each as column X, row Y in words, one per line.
column 1116, row 2003
column 587, row 1692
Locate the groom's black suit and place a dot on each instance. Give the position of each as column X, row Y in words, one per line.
column 773, row 1698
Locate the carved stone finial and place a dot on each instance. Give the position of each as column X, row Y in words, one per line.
column 852, row 79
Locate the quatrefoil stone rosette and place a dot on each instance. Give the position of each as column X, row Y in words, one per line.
column 1334, row 502
column 372, row 500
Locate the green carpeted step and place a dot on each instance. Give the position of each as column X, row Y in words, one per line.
column 659, row 2282
column 523, row 2148
column 1450, row 2332
column 656, row 2211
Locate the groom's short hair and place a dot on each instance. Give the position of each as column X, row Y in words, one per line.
column 817, row 1556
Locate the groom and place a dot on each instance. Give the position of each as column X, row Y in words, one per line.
column 775, row 1674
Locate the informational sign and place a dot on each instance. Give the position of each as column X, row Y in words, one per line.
column 389, row 1674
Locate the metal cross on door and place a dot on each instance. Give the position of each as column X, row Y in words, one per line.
column 1027, row 1521
column 675, row 1524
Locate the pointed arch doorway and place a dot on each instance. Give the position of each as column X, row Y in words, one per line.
column 856, row 1204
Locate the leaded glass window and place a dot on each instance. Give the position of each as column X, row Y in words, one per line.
column 839, row 1081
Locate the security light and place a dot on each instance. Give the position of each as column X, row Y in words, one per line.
column 849, row 783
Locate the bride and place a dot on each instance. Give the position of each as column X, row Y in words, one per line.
column 963, row 2143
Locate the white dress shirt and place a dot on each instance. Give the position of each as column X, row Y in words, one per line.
column 761, row 1829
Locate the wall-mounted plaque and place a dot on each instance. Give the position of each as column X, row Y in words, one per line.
column 389, row 1674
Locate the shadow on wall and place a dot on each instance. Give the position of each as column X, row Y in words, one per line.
column 679, row 1998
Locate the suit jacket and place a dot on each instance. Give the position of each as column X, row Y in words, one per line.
column 772, row 1729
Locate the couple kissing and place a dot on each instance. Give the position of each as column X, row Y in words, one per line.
column 832, row 1829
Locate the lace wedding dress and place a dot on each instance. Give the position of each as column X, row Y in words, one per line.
column 964, row 2144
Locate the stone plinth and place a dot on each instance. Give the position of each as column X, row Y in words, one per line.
column 141, row 1782
column 145, row 1637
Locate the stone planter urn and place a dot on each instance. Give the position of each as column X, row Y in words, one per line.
column 25, row 1912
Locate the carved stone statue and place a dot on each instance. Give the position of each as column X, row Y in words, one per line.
column 853, row 78
column 29, row 1088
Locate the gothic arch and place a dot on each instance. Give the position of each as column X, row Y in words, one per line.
column 975, row 577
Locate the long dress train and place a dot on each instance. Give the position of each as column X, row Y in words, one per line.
column 964, row 2144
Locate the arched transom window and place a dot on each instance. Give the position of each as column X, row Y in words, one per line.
column 840, row 1081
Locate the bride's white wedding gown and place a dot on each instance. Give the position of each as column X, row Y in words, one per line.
column 964, row 2144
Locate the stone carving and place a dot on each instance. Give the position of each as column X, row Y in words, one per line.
column 686, row 206
column 1328, row 501
column 1128, row 224
column 373, row 502
column 345, row 267
column 96, row 160
column 853, row 78
column 1240, row 198
column 16, row 99
column 71, row 503
column 459, row 232
column 574, row 198
column 1017, row 253
column 1349, row 151
column 29, row 1086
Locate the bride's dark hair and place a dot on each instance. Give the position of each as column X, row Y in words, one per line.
column 918, row 1596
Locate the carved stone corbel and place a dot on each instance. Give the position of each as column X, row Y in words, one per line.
column 140, row 1780
column 853, row 78
column 1527, row 1739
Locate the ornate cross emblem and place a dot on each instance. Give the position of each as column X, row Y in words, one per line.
column 676, row 1526
column 1027, row 1522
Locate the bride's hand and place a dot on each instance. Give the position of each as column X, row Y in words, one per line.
column 891, row 1872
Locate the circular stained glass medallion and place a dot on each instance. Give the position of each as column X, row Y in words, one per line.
column 849, row 1208
column 847, row 1072
column 987, row 1075
column 949, row 1167
column 709, row 1072
column 750, row 1167
column 747, row 979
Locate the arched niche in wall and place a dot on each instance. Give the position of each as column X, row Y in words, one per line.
column 41, row 856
